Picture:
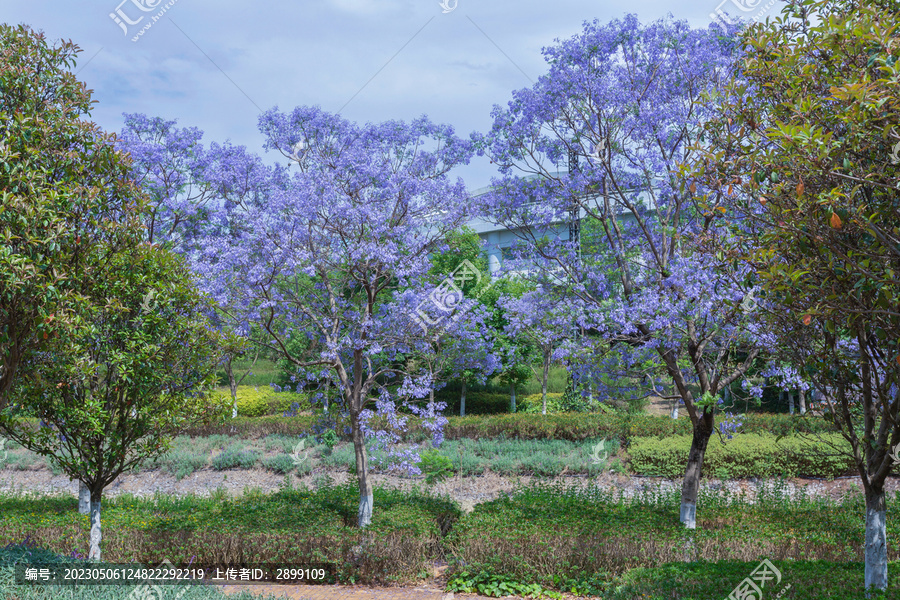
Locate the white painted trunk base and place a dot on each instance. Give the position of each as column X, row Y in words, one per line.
column 675, row 413
column 876, row 550
column 365, row 511
column 689, row 515
column 84, row 499
column 96, row 536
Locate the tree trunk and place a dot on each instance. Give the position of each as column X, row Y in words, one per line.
column 802, row 399
column 84, row 498
column 462, row 401
column 675, row 409
column 876, row 538
column 96, row 536
column 512, row 397
column 791, row 402
column 232, row 384
column 364, row 516
column 544, row 381
column 691, row 486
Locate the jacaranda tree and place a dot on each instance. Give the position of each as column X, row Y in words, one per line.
column 600, row 138
column 189, row 186
column 340, row 256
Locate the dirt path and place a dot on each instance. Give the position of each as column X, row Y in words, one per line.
column 467, row 491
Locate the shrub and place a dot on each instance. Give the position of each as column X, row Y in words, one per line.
column 481, row 403
column 747, row 455
column 255, row 427
column 565, row 426
column 435, row 466
column 253, row 402
column 282, row 463
column 532, row 403
column 235, row 459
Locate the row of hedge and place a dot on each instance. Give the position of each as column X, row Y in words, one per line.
column 566, row 426
column 625, row 427
column 746, row 455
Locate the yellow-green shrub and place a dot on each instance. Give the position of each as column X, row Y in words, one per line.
column 255, row 401
column 532, row 403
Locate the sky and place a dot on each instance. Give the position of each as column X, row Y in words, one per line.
column 218, row 64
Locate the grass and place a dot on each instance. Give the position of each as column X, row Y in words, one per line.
column 557, row 379
column 262, row 373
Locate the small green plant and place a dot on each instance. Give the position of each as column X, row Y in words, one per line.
column 330, row 439
column 586, row 584
column 489, row 584
column 435, row 466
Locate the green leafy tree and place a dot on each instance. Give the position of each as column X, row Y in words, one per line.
column 804, row 165
column 462, row 255
column 64, row 196
column 117, row 388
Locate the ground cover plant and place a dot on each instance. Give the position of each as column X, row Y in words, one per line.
column 542, row 540
column 291, row 526
column 801, row 580
column 561, row 538
column 27, row 553
column 744, row 456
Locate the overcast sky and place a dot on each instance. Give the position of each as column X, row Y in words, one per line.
column 216, row 64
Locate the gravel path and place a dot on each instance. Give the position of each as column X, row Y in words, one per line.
column 468, row 491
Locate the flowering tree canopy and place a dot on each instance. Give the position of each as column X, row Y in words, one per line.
column 597, row 143
column 187, row 183
column 338, row 255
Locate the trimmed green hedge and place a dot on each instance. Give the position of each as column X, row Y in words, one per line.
column 566, row 426
column 481, row 403
column 580, row 426
column 746, row 455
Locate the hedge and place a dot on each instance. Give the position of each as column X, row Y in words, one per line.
column 746, row 455
column 566, row 426
column 481, row 403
